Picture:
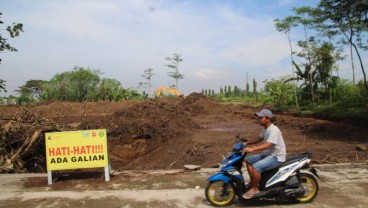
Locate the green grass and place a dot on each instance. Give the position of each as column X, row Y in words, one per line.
column 324, row 111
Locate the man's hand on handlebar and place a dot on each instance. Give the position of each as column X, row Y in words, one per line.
column 248, row 149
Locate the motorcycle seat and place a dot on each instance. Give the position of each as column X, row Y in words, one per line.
column 295, row 158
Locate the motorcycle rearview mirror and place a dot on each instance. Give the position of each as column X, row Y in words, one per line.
column 243, row 139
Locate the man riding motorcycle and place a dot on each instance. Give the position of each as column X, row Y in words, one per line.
column 273, row 147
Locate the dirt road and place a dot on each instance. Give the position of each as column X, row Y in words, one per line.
column 340, row 185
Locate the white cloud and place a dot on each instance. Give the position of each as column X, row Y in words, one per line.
column 122, row 38
column 210, row 74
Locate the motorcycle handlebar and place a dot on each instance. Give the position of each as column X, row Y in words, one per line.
column 242, row 139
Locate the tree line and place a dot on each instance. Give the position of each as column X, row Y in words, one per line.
column 229, row 91
column 313, row 84
column 78, row 85
column 329, row 28
column 85, row 84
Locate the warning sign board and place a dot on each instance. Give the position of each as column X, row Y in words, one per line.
column 76, row 149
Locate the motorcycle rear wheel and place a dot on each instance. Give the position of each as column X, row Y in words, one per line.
column 219, row 193
column 311, row 187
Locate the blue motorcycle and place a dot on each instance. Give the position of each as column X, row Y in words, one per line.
column 285, row 182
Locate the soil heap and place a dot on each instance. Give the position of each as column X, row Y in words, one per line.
column 166, row 133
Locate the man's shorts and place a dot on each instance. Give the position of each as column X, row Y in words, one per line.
column 262, row 162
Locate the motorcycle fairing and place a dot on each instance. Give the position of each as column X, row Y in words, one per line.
column 219, row 177
column 227, row 176
column 233, row 161
column 285, row 171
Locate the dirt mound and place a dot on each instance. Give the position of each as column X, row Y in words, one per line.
column 161, row 118
column 22, row 145
column 197, row 103
column 166, row 133
column 152, row 119
column 134, row 128
column 146, row 127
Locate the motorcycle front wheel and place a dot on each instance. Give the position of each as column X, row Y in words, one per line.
column 311, row 187
column 219, row 193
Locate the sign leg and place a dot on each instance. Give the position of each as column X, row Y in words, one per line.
column 49, row 177
column 107, row 174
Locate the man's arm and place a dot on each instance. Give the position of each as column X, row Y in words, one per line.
column 264, row 146
column 254, row 141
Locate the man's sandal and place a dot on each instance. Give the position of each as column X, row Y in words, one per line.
column 249, row 194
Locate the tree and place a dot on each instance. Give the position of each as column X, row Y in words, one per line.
column 324, row 62
column 80, row 84
column 319, row 80
column 306, row 76
column 279, row 90
column 32, row 88
column 175, row 60
column 285, row 26
column 14, row 31
column 229, row 91
column 254, row 87
column 147, row 75
column 303, row 17
column 247, row 89
column 350, row 18
column 84, row 81
column 2, row 85
column 110, row 89
column 237, row 91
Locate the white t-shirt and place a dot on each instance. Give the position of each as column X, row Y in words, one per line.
column 273, row 135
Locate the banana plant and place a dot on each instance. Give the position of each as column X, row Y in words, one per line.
column 306, row 76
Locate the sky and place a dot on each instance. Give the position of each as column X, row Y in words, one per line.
column 221, row 42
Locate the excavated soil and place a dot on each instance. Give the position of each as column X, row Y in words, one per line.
column 169, row 133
